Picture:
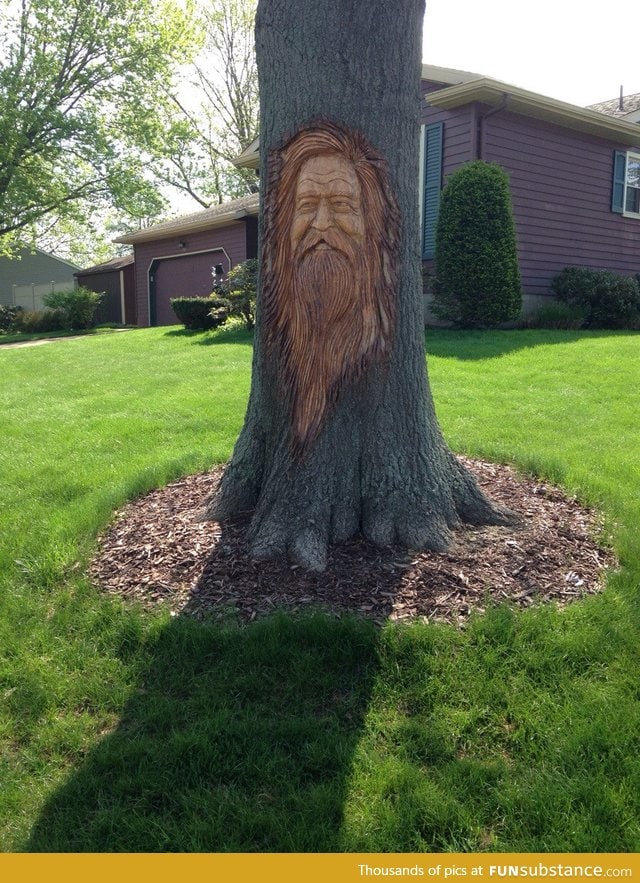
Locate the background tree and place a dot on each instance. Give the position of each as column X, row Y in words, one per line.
column 378, row 463
column 213, row 117
column 80, row 85
column 477, row 272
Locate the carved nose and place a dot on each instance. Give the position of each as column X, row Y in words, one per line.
column 323, row 217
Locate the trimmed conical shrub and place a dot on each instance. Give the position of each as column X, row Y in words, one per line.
column 477, row 274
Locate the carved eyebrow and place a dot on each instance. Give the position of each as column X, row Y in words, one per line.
column 318, row 178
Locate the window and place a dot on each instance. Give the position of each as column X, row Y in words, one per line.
column 632, row 185
column 625, row 198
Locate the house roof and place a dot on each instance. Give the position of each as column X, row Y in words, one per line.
column 494, row 92
column 208, row 219
column 625, row 107
column 250, row 156
column 27, row 250
column 108, row 266
column 462, row 87
column 448, row 75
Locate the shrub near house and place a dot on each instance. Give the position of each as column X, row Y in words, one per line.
column 606, row 299
column 8, row 316
column 77, row 307
column 477, row 274
column 240, row 290
column 71, row 310
column 200, row 313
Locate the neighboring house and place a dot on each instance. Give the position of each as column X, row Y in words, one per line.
column 25, row 279
column 574, row 177
column 116, row 279
column 626, row 107
column 574, row 172
column 177, row 258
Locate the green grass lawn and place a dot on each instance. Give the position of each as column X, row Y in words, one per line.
column 127, row 730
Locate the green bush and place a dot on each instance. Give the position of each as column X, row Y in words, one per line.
column 555, row 315
column 608, row 299
column 476, row 262
column 77, row 306
column 37, row 321
column 8, row 316
column 200, row 313
column 240, row 290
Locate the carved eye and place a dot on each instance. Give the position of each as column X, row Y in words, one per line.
column 342, row 205
column 306, row 205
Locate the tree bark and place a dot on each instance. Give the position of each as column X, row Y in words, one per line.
column 379, row 466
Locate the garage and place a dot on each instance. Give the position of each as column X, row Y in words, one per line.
column 188, row 275
column 175, row 258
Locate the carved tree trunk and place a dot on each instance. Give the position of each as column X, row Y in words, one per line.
column 344, row 440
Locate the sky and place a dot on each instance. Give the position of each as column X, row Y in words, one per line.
column 565, row 49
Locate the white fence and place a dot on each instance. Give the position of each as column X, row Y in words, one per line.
column 30, row 297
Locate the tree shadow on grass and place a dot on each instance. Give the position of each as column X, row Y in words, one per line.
column 234, row 334
column 237, row 739
column 478, row 345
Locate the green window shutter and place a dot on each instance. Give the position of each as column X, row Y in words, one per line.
column 433, row 139
column 617, row 189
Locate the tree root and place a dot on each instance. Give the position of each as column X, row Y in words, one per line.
column 299, row 519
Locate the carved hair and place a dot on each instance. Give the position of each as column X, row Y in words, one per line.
column 327, row 321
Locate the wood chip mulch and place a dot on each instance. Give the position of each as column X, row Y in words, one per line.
column 157, row 552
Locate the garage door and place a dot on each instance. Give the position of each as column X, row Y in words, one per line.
column 186, row 276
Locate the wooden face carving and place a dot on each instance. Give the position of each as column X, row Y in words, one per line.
column 331, row 233
column 328, row 206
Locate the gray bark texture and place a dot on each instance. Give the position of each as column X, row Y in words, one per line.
column 380, row 466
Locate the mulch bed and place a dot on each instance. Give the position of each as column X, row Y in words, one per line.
column 157, row 552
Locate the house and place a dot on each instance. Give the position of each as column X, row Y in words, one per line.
column 574, row 172
column 26, row 278
column 116, row 280
column 574, row 176
column 177, row 258
column 626, row 107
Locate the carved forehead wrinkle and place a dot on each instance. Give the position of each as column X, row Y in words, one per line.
column 328, row 169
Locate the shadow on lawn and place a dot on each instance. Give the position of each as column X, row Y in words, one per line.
column 472, row 345
column 234, row 334
column 238, row 739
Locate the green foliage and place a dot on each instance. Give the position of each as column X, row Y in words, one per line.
column 8, row 316
column 608, row 300
column 36, row 321
column 200, row 313
column 240, row 290
column 477, row 273
column 194, row 149
column 77, row 306
column 79, row 83
column 556, row 315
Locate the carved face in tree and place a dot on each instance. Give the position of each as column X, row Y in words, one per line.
column 329, row 268
column 328, row 207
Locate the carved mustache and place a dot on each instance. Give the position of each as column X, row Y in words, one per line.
column 337, row 240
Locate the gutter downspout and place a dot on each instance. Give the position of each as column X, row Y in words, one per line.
column 481, row 130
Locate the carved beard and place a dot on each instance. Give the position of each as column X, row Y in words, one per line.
column 331, row 331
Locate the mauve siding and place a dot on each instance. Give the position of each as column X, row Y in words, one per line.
column 232, row 239
column 459, row 134
column 109, row 309
column 560, row 181
column 560, row 184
